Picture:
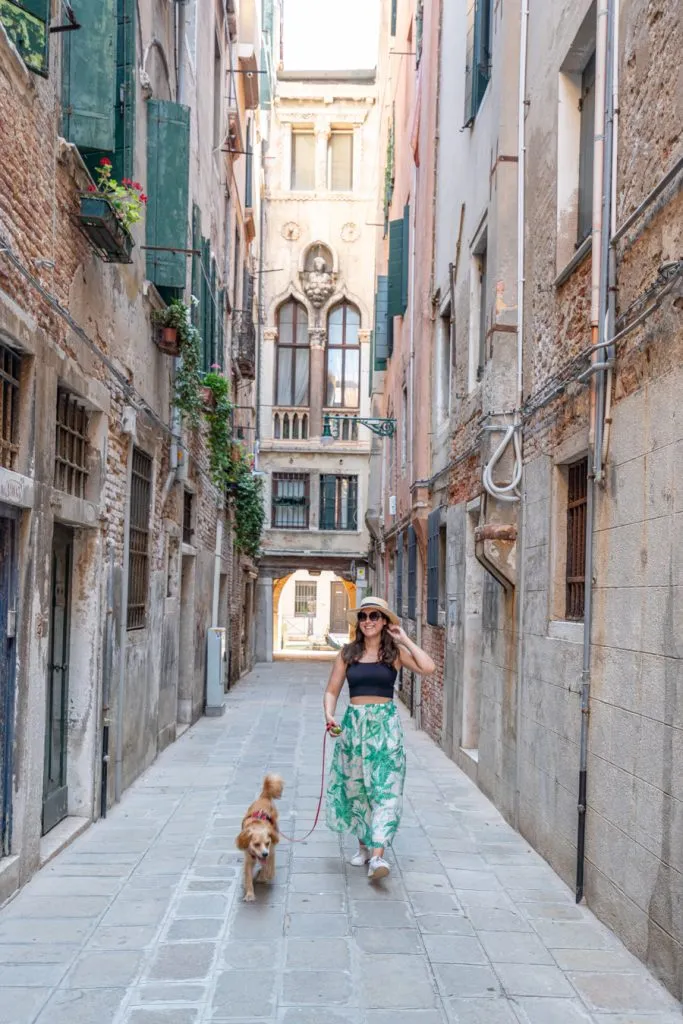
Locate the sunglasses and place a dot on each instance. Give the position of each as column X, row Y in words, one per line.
column 372, row 616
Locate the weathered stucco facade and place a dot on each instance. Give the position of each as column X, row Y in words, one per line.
column 117, row 549
column 530, row 631
column 320, row 201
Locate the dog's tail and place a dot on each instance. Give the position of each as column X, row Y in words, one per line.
column 272, row 787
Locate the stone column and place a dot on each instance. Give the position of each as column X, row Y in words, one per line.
column 364, row 335
column 322, row 138
column 264, row 618
column 317, row 394
column 268, row 371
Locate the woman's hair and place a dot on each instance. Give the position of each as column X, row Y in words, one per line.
column 388, row 648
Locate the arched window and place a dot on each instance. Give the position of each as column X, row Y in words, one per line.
column 292, row 372
column 343, row 357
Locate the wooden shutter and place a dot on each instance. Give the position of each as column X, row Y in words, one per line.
column 220, row 328
column 27, row 24
column 586, row 150
column 394, row 13
column 433, row 526
column 124, row 126
column 352, row 511
column 89, row 77
column 205, row 305
column 213, row 312
column 469, row 64
column 405, row 258
column 196, row 263
column 399, row 574
column 395, row 267
column 328, row 496
column 381, row 333
column 168, row 176
column 412, row 573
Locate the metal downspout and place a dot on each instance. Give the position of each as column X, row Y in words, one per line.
column 600, row 252
column 106, row 679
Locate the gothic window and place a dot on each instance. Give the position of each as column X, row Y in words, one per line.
column 343, row 357
column 292, row 372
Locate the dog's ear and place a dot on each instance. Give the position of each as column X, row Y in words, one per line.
column 242, row 841
column 274, row 835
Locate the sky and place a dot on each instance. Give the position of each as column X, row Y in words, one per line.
column 324, row 35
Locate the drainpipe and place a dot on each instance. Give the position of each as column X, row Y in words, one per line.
column 106, row 679
column 123, row 632
column 613, row 120
column 521, row 205
column 217, row 568
column 603, row 66
column 259, row 317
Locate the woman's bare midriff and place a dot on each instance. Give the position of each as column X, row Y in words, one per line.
column 371, row 700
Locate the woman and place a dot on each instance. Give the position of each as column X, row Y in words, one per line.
column 365, row 794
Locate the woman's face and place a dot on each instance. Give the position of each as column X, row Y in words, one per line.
column 372, row 625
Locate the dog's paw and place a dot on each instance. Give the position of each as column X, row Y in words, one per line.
column 249, row 897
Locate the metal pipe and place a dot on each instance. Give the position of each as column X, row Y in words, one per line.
column 106, row 680
column 259, row 315
column 123, row 632
column 649, row 199
column 585, row 688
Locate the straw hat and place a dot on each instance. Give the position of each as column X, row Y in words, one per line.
column 375, row 604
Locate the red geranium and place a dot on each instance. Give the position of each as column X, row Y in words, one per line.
column 105, row 162
column 92, row 188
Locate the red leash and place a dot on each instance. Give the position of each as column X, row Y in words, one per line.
column 320, row 800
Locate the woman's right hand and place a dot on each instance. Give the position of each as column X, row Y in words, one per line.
column 331, row 723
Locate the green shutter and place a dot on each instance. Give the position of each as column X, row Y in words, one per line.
column 214, row 315
column 196, row 262
column 124, row 127
column 469, row 65
column 399, row 574
column 394, row 13
column 27, row 24
column 433, row 527
column 205, row 306
column 168, row 173
column 395, row 267
column 381, row 334
column 405, row 259
column 412, row 573
column 89, row 77
column 328, row 496
column 220, row 355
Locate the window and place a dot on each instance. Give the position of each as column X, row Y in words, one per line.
column 71, row 445
column 305, row 598
column 10, row 369
column 412, row 573
column 443, row 366
column 443, row 550
column 292, row 371
column 586, row 146
column 340, row 161
column 290, row 501
column 138, row 557
column 187, row 517
column 343, row 357
column 303, row 161
column 433, row 574
column 338, row 502
column 479, row 50
column 478, row 288
column 577, row 498
column 27, row 25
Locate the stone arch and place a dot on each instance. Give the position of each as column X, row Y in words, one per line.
column 278, row 587
column 290, row 292
column 344, row 294
column 318, row 247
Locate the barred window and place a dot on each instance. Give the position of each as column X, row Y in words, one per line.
column 305, row 598
column 10, row 368
column 138, row 558
column 71, row 445
column 338, row 502
column 187, row 517
column 290, row 501
column 577, row 501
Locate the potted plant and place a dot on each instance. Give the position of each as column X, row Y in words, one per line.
column 188, row 379
column 218, row 410
column 171, row 323
column 107, row 212
column 250, row 513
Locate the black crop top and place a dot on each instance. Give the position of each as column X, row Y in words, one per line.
column 371, row 679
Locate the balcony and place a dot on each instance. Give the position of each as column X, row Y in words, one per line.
column 244, row 343
column 290, row 424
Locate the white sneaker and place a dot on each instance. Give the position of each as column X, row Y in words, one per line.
column 360, row 859
column 378, row 869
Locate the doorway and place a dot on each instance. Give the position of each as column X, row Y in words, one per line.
column 55, row 793
column 7, row 639
column 339, row 605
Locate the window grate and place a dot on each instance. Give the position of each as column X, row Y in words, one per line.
column 10, row 369
column 71, row 446
column 138, row 558
column 577, row 504
column 290, row 501
column 187, row 517
column 305, row 599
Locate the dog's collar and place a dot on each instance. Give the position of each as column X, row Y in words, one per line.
column 261, row 816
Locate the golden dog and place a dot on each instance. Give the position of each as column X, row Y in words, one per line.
column 260, row 835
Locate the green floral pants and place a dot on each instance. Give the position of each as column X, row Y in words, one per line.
column 365, row 792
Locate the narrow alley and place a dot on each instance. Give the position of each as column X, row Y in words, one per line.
column 140, row 921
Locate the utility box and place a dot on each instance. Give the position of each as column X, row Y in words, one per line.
column 215, row 666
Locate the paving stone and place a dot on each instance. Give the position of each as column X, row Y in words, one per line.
column 31, row 975
column 131, row 912
column 73, row 1006
column 208, row 905
column 493, row 919
column 318, row 883
column 454, row 949
column 318, row 954
column 56, row 929
column 521, row 949
column 397, row 982
column 551, row 911
column 418, row 881
column 244, row 994
column 245, row 955
column 186, row 961
column 403, row 1017
column 457, row 981
column 122, row 937
column 596, row 960
column 36, row 954
column 167, row 1016
column 434, row 903
column 311, row 1015
column 21, row 1004
column 194, row 928
column 616, row 993
column 481, row 1011
column 317, row 988
column 165, row 992
column 321, row 865
column 533, row 980
column 444, row 924
column 388, row 940
column 316, row 903
column 391, row 914
column 105, row 969
column 553, row 1011
column 317, row 925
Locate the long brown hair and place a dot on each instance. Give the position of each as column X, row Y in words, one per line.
column 388, row 648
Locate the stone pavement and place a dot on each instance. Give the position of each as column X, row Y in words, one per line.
column 141, row 921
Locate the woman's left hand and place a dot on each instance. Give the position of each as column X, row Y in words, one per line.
column 398, row 635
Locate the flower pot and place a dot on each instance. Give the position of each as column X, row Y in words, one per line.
column 208, row 398
column 110, row 239
column 167, row 341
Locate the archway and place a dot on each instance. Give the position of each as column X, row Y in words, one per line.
column 309, row 612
